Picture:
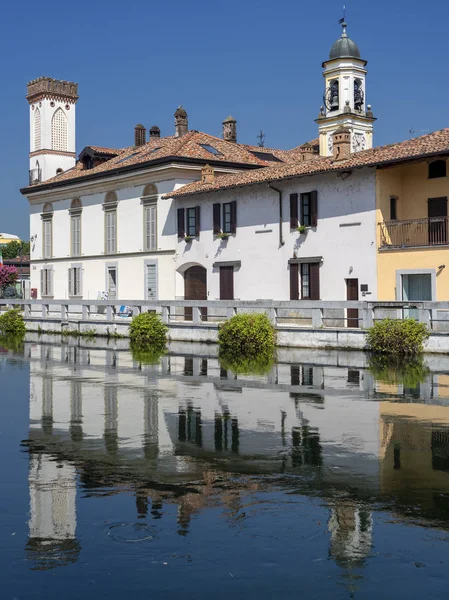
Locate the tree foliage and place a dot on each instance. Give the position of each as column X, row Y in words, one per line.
column 8, row 276
column 401, row 338
column 15, row 249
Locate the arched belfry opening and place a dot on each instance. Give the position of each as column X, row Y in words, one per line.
column 359, row 98
column 332, row 98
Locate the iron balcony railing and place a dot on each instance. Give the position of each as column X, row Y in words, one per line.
column 414, row 233
column 35, row 176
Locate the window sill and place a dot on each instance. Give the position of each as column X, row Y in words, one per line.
column 44, row 297
column 76, row 296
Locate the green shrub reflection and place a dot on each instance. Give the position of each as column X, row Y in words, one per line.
column 408, row 372
column 242, row 365
column 147, row 355
column 12, row 343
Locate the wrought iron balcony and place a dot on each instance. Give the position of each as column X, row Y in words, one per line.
column 35, row 176
column 414, row 233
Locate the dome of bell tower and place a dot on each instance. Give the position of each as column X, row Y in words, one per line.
column 344, row 47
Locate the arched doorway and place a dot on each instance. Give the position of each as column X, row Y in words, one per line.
column 195, row 288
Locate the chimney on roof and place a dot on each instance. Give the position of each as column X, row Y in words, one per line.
column 307, row 152
column 230, row 130
column 342, row 143
column 155, row 132
column 181, row 122
column 139, row 135
column 207, row 174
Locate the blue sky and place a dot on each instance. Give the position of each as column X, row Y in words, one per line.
column 259, row 60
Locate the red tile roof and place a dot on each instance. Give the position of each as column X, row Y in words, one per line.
column 102, row 150
column 187, row 146
column 432, row 144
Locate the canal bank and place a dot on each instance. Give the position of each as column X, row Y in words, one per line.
column 299, row 324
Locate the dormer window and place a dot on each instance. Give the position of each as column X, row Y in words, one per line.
column 437, row 168
column 88, row 162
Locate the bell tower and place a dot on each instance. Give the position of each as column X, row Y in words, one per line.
column 344, row 99
column 52, row 127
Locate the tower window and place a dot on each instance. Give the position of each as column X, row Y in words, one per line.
column 358, row 94
column 59, row 131
column 333, row 99
column 37, row 130
column 437, row 168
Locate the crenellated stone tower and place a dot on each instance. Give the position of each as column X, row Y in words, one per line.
column 52, row 127
column 344, row 100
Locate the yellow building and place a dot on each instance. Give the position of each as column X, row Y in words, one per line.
column 6, row 238
column 412, row 216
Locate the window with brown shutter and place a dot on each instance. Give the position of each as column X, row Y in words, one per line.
column 294, row 281
column 233, row 216
column 217, row 218
column 197, row 221
column 293, row 211
column 181, row 223
column 309, row 209
column 230, row 217
column 305, row 210
column 314, row 281
column 314, row 208
column 310, row 281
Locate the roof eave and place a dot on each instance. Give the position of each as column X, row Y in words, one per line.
column 346, row 167
column 135, row 167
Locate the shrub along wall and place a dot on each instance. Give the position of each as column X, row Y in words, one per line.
column 12, row 323
column 247, row 335
column 147, row 330
column 403, row 338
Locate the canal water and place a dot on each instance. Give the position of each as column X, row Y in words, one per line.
column 322, row 478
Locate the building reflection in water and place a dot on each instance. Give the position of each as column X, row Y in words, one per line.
column 52, row 526
column 157, row 429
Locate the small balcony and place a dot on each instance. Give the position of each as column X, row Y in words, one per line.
column 35, row 176
column 414, row 233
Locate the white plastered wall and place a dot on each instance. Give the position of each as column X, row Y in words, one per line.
column 345, row 238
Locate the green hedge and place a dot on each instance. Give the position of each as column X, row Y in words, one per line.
column 12, row 323
column 147, row 330
column 402, row 338
column 248, row 335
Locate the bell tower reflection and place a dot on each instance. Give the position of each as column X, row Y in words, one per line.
column 111, row 419
column 151, row 426
column 76, row 411
column 52, row 526
column 351, row 528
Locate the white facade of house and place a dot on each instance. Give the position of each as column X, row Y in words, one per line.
column 343, row 242
column 130, row 263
